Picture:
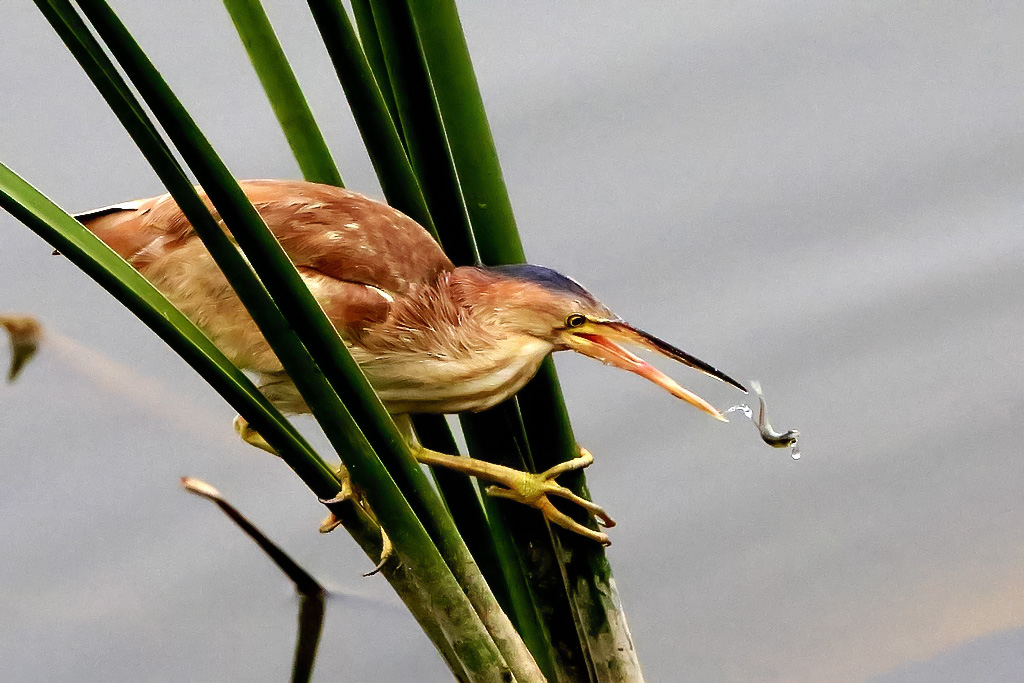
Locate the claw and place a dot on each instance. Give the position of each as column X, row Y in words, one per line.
column 596, row 511
column 386, row 551
column 346, row 493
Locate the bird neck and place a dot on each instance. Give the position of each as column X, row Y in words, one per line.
column 440, row 320
column 443, row 349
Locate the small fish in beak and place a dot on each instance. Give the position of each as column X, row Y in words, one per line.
column 768, row 434
column 597, row 339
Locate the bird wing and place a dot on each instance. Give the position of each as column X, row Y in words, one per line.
column 348, row 236
column 357, row 256
column 340, row 234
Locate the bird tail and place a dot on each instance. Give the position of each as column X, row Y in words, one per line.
column 117, row 225
column 87, row 217
column 93, row 219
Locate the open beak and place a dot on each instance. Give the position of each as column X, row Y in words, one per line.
column 598, row 340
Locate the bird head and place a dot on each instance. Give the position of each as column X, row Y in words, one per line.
column 541, row 303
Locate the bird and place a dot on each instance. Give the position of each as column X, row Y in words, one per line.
column 429, row 336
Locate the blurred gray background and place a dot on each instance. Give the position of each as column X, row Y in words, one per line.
column 825, row 196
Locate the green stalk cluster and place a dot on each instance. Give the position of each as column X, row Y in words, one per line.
column 467, row 563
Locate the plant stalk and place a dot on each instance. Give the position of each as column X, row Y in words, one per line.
column 283, row 91
column 610, row 650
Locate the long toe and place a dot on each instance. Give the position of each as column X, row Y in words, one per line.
column 538, row 498
column 598, row 512
column 556, row 516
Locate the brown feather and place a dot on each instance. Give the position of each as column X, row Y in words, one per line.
column 357, row 255
column 343, row 234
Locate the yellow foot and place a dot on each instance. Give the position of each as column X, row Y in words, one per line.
column 531, row 489
column 534, row 489
column 348, row 493
column 251, row 436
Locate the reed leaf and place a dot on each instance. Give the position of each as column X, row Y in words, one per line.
column 283, row 91
column 531, row 562
column 470, row 139
column 610, row 647
column 528, row 548
column 304, row 582
column 370, row 42
column 430, row 156
column 377, row 127
column 405, row 75
column 311, row 620
column 466, row 509
column 425, row 137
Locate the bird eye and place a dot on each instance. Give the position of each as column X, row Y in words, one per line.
column 575, row 320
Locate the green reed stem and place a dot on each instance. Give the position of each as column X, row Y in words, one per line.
column 283, row 91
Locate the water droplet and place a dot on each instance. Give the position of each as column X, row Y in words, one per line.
column 796, row 452
column 742, row 408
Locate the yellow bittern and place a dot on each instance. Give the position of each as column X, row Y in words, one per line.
column 431, row 338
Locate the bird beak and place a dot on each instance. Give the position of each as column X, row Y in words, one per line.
column 598, row 340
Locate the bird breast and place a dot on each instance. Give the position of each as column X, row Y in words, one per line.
column 470, row 381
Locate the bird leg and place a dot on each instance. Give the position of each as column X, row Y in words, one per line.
column 529, row 488
column 347, row 492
